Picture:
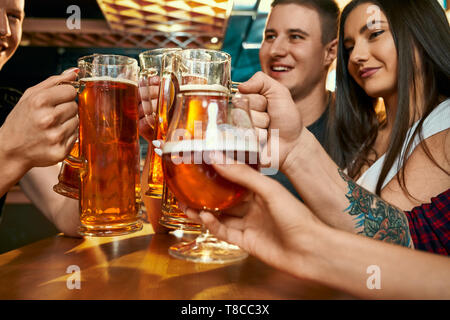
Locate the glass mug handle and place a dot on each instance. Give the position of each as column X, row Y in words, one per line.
column 75, row 84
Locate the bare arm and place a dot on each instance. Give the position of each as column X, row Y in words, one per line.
column 62, row 211
column 10, row 170
column 338, row 200
column 349, row 262
column 363, row 212
column 283, row 232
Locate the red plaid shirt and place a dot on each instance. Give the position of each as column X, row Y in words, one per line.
column 429, row 225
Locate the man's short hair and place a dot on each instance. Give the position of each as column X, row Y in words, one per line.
column 328, row 11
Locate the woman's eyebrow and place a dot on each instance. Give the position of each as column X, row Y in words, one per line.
column 366, row 27
column 370, row 25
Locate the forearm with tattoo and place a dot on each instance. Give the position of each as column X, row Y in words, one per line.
column 374, row 217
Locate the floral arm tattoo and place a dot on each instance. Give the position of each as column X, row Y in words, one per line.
column 375, row 217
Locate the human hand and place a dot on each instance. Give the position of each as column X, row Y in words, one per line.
column 148, row 91
column 271, row 225
column 273, row 111
column 42, row 127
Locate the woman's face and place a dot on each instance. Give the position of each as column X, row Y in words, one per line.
column 372, row 53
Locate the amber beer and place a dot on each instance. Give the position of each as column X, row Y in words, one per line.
column 110, row 147
column 69, row 175
column 197, row 99
column 172, row 216
column 195, row 182
column 166, row 100
column 169, row 89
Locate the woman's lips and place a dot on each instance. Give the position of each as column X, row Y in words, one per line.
column 368, row 72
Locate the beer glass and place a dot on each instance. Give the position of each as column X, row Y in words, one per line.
column 109, row 145
column 223, row 129
column 207, row 120
column 69, row 175
column 151, row 65
column 171, row 216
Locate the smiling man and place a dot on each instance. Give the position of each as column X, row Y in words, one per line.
column 298, row 49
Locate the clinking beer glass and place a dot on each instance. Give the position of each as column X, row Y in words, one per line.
column 207, row 120
column 109, row 145
column 151, row 65
column 171, row 215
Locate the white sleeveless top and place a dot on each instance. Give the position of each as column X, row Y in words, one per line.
column 438, row 120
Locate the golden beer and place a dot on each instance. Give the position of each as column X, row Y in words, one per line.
column 172, row 217
column 110, row 146
column 69, row 175
column 203, row 122
column 187, row 164
column 152, row 64
column 198, row 185
column 166, row 100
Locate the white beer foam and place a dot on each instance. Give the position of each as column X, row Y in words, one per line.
column 204, row 87
column 107, row 78
column 197, row 145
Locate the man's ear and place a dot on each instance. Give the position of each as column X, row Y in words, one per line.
column 330, row 53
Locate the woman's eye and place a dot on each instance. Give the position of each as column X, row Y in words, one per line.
column 376, row 34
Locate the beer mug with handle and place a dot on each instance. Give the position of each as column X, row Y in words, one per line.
column 151, row 65
column 109, row 145
column 207, row 119
column 171, row 215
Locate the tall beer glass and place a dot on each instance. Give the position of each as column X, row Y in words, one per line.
column 171, row 215
column 206, row 121
column 109, row 143
column 151, row 64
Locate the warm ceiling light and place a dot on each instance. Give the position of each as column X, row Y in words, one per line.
column 200, row 19
column 342, row 3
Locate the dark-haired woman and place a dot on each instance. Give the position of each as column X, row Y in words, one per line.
column 398, row 51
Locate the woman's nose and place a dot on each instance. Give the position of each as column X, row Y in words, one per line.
column 360, row 53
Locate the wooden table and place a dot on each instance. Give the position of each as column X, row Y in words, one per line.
column 137, row 266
